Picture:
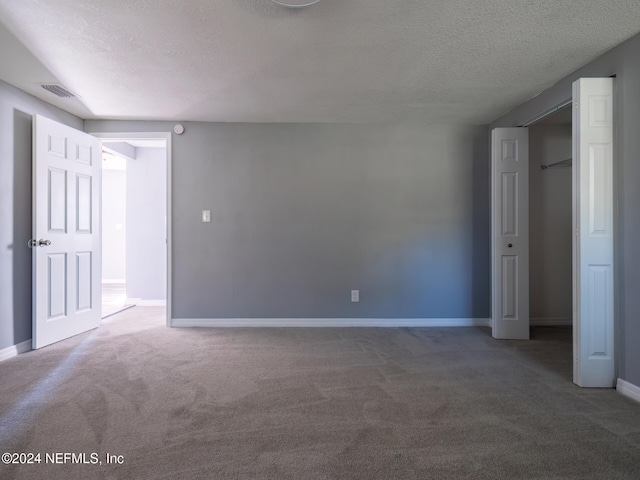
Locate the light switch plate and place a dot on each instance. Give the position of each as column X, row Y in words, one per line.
column 206, row 216
column 355, row 295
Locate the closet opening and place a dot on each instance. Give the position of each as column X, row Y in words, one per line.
column 550, row 220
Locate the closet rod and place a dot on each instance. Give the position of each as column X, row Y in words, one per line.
column 548, row 112
column 561, row 163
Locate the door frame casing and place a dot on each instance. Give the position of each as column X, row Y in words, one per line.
column 123, row 137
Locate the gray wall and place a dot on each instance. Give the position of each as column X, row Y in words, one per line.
column 302, row 214
column 16, row 109
column 114, row 217
column 550, row 272
column 624, row 62
column 146, row 224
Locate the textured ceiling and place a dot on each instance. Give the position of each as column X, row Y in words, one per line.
column 361, row 61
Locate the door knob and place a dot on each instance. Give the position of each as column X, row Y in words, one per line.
column 38, row 243
column 510, row 245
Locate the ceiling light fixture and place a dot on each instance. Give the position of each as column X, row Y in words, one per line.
column 295, row 3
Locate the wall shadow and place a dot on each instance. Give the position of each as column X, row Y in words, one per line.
column 22, row 227
column 481, row 226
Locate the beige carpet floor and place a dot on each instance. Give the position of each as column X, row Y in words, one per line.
column 287, row 403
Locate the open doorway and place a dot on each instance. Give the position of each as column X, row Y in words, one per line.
column 114, row 215
column 550, row 220
column 134, row 208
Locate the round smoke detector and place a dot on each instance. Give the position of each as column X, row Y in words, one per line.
column 295, row 3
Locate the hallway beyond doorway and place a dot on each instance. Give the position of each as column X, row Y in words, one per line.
column 114, row 299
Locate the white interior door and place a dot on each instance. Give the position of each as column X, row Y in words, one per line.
column 66, row 232
column 593, row 252
column 510, row 237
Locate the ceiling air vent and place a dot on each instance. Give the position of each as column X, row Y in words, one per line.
column 58, row 90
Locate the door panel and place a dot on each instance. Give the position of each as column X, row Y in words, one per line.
column 83, row 204
column 84, row 284
column 593, row 257
column 509, row 287
column 509, row 208
column 57, row 211
column 57, row 283
column 510, row 239
column 66, row 214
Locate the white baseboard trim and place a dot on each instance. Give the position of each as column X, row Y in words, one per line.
column 151, row 303
column 14, row 350
column 628, row 389
column 330, row 322
column 146, row 303
column 550, row 321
